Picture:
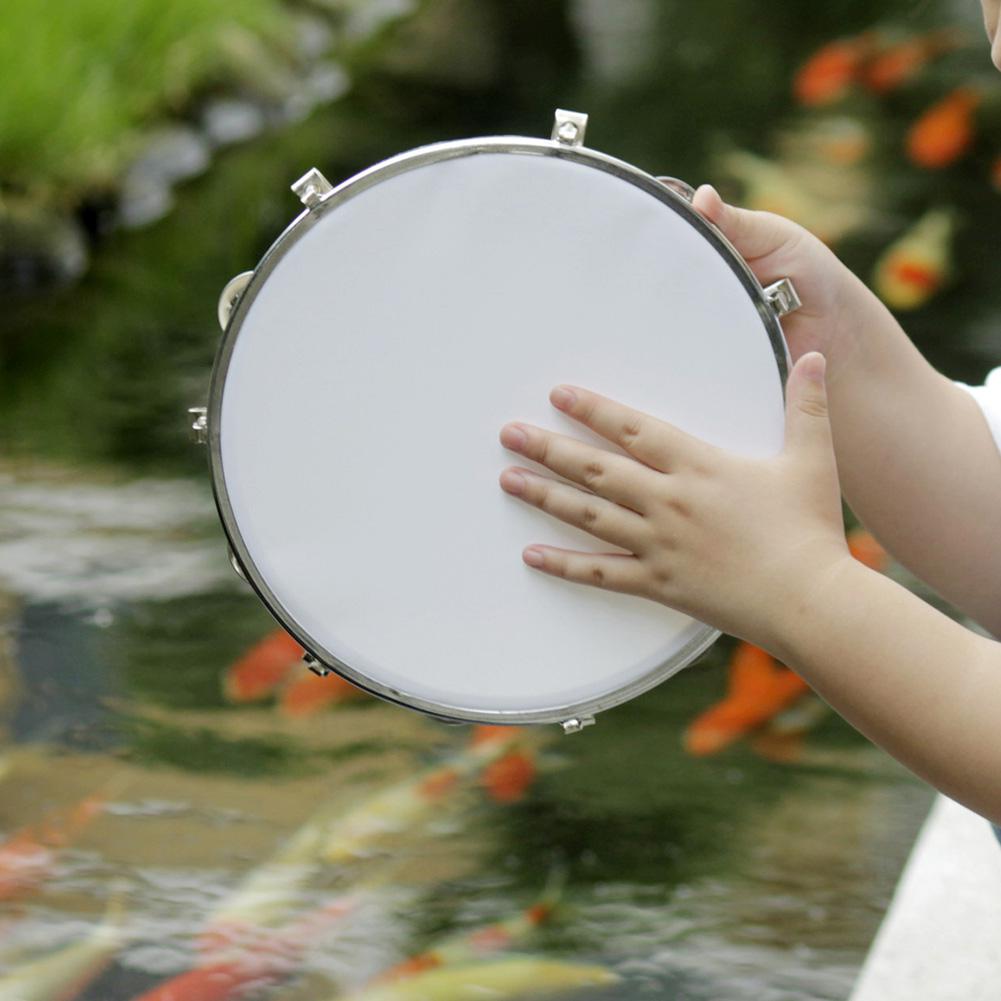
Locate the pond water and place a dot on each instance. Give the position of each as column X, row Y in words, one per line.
column 694, row 878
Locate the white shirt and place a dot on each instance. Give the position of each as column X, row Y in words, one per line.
column 989, row 397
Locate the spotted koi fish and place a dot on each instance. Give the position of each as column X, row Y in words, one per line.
column 913, row 268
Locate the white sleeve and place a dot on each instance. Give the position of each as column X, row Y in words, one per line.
column 989, row 397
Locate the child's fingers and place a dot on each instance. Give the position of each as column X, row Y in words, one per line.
column 610, row 571
column 754, row 234
column 602, row 518
column 654, row 442
column 615, row 477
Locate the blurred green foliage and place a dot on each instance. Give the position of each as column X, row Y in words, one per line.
column 80, row 77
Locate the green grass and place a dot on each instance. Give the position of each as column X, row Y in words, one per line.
column 79, row 76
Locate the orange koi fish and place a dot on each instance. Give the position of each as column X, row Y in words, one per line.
column 758, row 688
column 271, row 956
column 864, row 547
column 468, row 947
column 219, row 981
column 898, row 64
column 507, row 778
column 28, row 856
column 945, row 131
column 262, row 668
column 309, row 693
column 913, row 268
column 829, row 73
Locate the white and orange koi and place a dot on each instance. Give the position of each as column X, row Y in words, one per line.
column 470, row 946
column 411, row 801
column 916, row 266
column 511, row 977
column 828, row 200
column 330, row 835
column 272, row 891
column 64, row 973
column 834, row 140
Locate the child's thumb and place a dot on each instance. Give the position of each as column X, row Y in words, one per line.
column 808, row 426
column 754, row 234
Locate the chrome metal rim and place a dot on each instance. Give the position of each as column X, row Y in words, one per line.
column 422, row 156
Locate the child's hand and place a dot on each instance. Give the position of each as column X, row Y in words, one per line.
column 836, row 304
column 732, row 541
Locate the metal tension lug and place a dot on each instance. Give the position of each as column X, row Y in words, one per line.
column 447, row 720
column 199, row 427
column 320, row 670
column 237, row 566
column 230, row 296
column 782, row 297
column 312, row 188
column 569, row 127
column 577, row 724
column 679, row 187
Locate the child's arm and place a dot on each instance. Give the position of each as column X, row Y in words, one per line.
column 756, row 548
column 916, row 460
column 920, row 685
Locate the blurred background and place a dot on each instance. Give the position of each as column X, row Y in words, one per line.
column 184, row 812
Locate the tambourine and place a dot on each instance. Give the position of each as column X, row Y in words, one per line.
column 371, row 358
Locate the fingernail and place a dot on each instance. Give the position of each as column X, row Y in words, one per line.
column 512, row 482
column 717, row 202
column 562, row 397
column 815, row 364
column 513, row 437
column 533, row 557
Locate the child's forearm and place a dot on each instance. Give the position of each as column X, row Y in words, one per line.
column 920, row 685
column 917, row 462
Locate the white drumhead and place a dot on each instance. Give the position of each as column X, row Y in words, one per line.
column 372, row 363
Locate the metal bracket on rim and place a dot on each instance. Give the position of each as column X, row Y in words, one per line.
column 199, row 426
column 569, row 127
column 320, row 670
column 577, row 724
column 680, row 187
column 230, row 295
column 782, row 297
column 312, row 188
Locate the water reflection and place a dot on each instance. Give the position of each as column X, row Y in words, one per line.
column 687, row 878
